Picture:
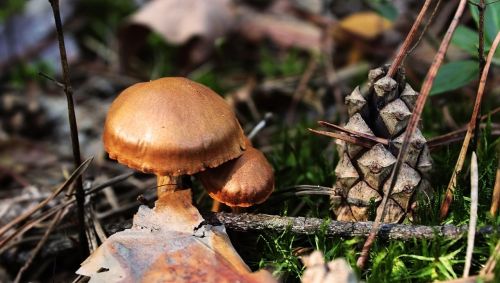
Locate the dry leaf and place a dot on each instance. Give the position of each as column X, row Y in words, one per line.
column 285, row 31
column 180, row 20
column 367, row 25
column 163, row 246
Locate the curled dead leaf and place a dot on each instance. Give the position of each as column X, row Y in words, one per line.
column 162, row 248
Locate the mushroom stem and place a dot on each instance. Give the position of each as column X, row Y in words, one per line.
column 167, row 184
column 177, row 201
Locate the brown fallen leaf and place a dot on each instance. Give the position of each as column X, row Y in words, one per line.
column 180, row 20
column 162, row 247
column 283, row 30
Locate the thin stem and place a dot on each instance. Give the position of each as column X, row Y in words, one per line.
column 167, row 184
column 445, row 206
column 408, row 40
column 495, row 199
column 424, row 30
column 40, row 245
column 80, row 194
column 350, row 139
column 356, row 134
column 482, row 61
column 473, row 213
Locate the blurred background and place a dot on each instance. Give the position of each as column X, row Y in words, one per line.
column 287, row 62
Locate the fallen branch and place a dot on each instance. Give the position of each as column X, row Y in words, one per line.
column 75, row 143
column 63, row 187
column 272, row 223
column 309, row 226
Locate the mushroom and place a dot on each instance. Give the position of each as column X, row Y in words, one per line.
column 241, row 182
column 172, row 127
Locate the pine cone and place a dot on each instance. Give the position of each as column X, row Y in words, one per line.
column 382, row 109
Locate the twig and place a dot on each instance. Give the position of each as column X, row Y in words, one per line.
column 480, row 52
column 30, row 224
column 355, row 133
column 330, row 72
column 40, row 244
column 63, row 187
column 267, row 117
column 473, row 213
column 350, row 139
column 301, row 88
column 80, row 194
column 471, row 279
column 44, row 75
column 489, row 267
column 310, row 226
column 412, row 125
column 495, row 199
column 302, row 187
column 53, row 210
column 408, row 40
column 299, row 225
column 445, row 206
column 426, row 27
column 456, row 136
column 109, row 182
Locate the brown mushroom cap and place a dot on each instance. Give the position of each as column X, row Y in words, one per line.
column 242, row 182
column 172, row 126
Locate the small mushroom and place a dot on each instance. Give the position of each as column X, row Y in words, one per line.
column 242, row 182
column 171, row 127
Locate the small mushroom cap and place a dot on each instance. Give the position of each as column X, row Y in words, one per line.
column 172, row 126
column 242, row 182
